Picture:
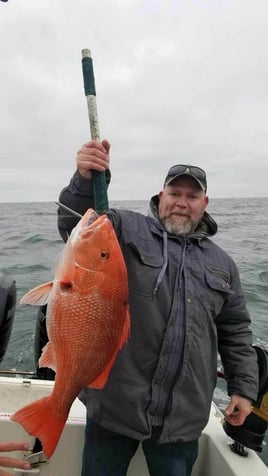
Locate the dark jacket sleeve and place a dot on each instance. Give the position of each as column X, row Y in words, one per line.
column 78, row 196
column 238, row 357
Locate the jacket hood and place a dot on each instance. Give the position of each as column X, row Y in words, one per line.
column 207, row 227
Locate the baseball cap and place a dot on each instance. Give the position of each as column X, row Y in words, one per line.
column 196, row 172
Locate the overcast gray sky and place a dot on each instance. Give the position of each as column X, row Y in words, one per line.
column 178, row 81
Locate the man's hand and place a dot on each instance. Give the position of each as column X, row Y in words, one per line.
column 237, row 410
column 93, row 156
column 8, row 461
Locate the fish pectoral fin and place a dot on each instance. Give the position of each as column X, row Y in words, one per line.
column 47, row 358
column 38, row 296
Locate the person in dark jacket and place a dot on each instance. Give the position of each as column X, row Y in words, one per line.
column 186, row 304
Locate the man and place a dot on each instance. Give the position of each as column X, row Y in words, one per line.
column 185, row 303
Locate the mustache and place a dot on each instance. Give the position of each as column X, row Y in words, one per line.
column 179, row 214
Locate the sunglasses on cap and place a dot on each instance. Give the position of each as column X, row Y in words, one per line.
column 196, row 172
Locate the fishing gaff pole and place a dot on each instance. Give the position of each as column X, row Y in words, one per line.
column 98, row 178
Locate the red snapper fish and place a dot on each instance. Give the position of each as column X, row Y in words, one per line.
column 87, row 323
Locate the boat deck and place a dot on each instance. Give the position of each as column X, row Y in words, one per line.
column 215, row 456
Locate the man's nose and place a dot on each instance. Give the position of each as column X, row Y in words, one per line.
column 181, row 202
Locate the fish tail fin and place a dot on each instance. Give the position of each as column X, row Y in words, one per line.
column 39, row 420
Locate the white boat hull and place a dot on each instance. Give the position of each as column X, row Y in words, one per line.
column 215, row 457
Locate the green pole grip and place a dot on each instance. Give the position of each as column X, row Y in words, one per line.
column 88, row 75
column 98, row 178
column 100, row 192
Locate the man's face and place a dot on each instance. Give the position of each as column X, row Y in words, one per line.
column 181, row 205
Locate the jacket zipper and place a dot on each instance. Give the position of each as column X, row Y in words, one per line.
column 175, row 356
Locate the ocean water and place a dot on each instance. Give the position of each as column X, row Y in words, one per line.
column 30, row 243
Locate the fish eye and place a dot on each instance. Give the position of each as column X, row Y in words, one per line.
column 105, row 254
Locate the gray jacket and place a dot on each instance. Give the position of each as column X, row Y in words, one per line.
column 186, row 303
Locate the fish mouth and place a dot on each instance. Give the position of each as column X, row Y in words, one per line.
column 84, row 224
column 87, row 230
column 92, row 217
column 92, row 225
column 88, row 220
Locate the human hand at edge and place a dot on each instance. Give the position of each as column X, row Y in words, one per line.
column 9, row 461
column 237, row 410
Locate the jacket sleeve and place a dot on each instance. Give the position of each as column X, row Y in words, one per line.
column 239, row 358
column 78, row 196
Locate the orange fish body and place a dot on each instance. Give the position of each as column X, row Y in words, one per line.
column 87, row 323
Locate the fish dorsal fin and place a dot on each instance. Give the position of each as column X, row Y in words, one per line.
column 38, row 296
column 65, row 266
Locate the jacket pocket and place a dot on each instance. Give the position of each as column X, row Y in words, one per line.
column 218, row 288
column 218, row 279
column 143, row 267
column 211, row 291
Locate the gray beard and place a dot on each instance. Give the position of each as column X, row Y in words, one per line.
column 179, row 229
